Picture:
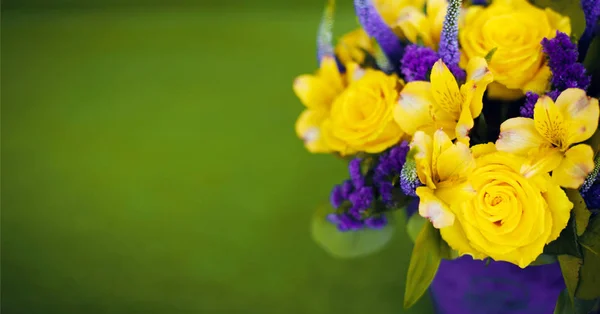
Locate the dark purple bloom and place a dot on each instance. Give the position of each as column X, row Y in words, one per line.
column 386, row 189
column 375, row 26
column 448, row 49
column 592, row 196
column 336, row 198
column 591, row 11
column 479, row 2
column 409, row 180
column 347, row 188
column 531, row 99
column 562, row 60
column 553, row 94
column 346, row 222
column 376, row 222
column 361, row 199
column 417, row 62
column 355, row 173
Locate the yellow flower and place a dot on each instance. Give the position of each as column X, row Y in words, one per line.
column 441, row 104
column 509, row 217
column 443, row 168
column 516, row 29
column 407, row 19
column 361, row 117
column 317, row 92
column 353, row 46
column 547, row 139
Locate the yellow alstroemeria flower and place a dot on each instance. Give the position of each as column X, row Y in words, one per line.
column 317, row 92
column 361, row 118
column 407, row 19
column 547, row 139
column 441, row 104
column 354, row 46
column 515, row 28
column 508, row 217
column 443, row 168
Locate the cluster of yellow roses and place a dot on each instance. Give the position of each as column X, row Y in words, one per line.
column 495, row 200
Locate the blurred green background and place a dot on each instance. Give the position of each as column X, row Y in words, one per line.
column 149, row 163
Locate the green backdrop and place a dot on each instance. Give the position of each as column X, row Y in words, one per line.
column 149, row 164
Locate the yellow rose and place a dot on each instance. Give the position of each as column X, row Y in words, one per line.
column 516, row 29
column 509, row 217
column 361, row 118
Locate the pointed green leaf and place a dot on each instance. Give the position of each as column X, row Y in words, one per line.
column 544, row 259
column 424, row 262
column 490, row 54
column 564, row 304
column 570, row 265
column 589, row 274
column 582, row 214
column 349, row 244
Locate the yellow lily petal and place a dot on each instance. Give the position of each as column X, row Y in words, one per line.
column 464, row 126
column 413, row 23
column 308, row 128
column 541, row 161
column 413, row 109
column 519, row 136
column 319, row 91
column 455, row 163
column 434, row 209
column 423, row 144
column 581, row 111
column 478, row 78
column 575, row 167
column 445, row 90
column 549, row 121
column 441, row 142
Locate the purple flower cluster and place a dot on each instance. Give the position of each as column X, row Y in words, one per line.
column 409, row 180
column 566, row 71
column 416, row 62
column 562, row 59
column 590, row 190
column 390, row 164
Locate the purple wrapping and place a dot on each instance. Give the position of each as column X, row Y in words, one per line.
column 467, row 286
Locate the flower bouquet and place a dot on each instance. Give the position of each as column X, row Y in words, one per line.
column 478, row 122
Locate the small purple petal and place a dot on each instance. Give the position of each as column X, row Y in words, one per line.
column 591, row 11
column 386, row 189
column 355, row 173
column 336, row 197
column 376, row 222
column 592, row 196
column 417, row 62
column 531, row 99
column 361, row 198
column 562, row 60
column 347, row 189
column 375, row 26
column 333, row 218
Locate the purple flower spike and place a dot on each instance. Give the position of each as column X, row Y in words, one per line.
column 376, row 222
column 448, row 50
column 416, row 62
column 591, row 11
column 355, row 173
column 347, row 188
column 375, row 26
column 409, row 180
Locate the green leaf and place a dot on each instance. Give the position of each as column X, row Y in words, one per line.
column 589, row 274
column 564, row 304
column 567, row 241
column 348, row 244
column 582, row 214
column 490, row 54
column 570, row 265
column 544, row 259
column 424, row 262
column 414, row 226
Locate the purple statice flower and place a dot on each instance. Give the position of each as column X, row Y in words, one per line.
column 591, row 11
column 386, row 191
column 417, row 62
column 479, row 2
column 355, row 173
column 345, row 222
column 562, row 60
column 448, row 49
column 390, row 164
column 336, row 198
column 531, row 99
column 375, row 26
column 361, row 200
column 376, row 222
column 347, row 188
column 409, row 180
column 553, row 94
